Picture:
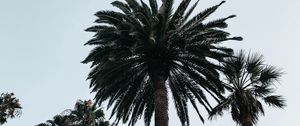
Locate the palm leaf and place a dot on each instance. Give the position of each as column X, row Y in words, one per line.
column 153, row 6
column 201, row 16
column 122, row 6
column 275, row 101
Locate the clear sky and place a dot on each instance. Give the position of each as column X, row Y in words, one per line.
column 41, row 46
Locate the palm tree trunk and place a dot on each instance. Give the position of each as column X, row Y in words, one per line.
column 160, row 101
column 246, row 120
column 246, row 123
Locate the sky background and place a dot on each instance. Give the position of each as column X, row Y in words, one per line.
column 41, row 46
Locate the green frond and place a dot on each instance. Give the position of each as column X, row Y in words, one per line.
column 254, row 65
column 269, row 74
column 223, row 105
column 236, row 38
column 259, row 107
column 149, row 110
column 180, row 99
column 201, row 16
column 262, row 90
column 122, row 6
column 134, row 5
column 275, row 101
column 189, row 12
column 178, row 14
column 96, row 54
column 98, row 28
column 109, row 17
column 147, row 11
column 235, row 113
column 192, row 100
column 154, row 7
column 220, row 23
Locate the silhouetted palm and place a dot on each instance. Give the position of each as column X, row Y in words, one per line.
column 84, row 114
column 142, row 49
column 9, row 107
column 60, row 120
column 248, row 81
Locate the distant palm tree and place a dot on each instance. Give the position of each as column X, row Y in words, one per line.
column 248, row 80
column 84, row 114
column 58, row 120
column 9, row 107
column 142, row 50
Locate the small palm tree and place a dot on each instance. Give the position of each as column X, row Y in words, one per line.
column 85, row 113
column 248, row 81
column 9, row 107
column 143, row 49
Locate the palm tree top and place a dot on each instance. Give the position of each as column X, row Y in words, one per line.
column 145, row 45
column 248, row 80
column 9, row 107
column 245, row 71
column 85, row 113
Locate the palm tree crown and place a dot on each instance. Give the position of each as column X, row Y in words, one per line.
column 248, row 80
column 9, row 107
column 144, row 48
column 85, row 113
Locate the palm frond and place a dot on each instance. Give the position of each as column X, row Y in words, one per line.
column 153, row 6
column 220, row 23
column 189, row 12
column 269, row 74
column 134, row 5
column 262, row 90
column 178, row 14
column 201, row 16
column 180, row 99
column 275, row 101
column 149, row 110
column 122, row 6
column 223, row 105
column 254, row 65
column 109, row 17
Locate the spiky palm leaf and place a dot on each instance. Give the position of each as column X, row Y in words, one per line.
column 248, row 81
column 142, row 43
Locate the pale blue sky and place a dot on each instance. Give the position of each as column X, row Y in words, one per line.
column 41, row 46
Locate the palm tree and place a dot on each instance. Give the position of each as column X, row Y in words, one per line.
column 141, row 50
column 248, row 81
column 58, row 120
column 9, row 107
column 85, row 113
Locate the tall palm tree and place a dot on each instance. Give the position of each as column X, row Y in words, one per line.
column 9, row 107
column 248, row 81
column 85, row 113
column 141, row 50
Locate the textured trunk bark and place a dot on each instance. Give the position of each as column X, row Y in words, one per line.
column 246, row 123
column 160, row 101
column 246, row 120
